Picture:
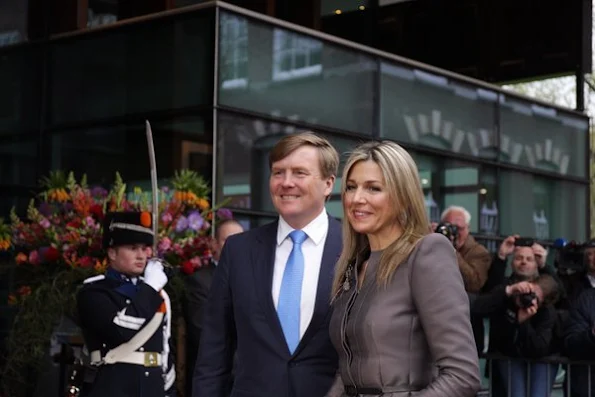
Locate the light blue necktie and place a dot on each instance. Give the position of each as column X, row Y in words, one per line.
column 290, row 295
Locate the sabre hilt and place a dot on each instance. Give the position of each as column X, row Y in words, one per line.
column 168, row 268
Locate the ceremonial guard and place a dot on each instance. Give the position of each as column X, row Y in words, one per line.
column 125, row 314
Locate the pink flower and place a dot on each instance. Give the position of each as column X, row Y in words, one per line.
column 45, row 223
column 166, row 218
column 34, row 258
column 195, row 261
column 164, row 244
column 90, row 221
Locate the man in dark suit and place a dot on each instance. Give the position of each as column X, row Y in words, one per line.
column 269, row 300
column 198, row 285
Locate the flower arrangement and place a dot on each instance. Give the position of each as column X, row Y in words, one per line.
column 58, row 244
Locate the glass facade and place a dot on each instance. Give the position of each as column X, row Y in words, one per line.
column 78, row 103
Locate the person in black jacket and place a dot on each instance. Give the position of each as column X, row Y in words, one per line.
column 125, row 318
column 198, row 285
column 579, row 343
column 524, row 329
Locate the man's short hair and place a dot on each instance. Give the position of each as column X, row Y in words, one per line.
column 223, row 223
column 328, row 155
column 456, row 208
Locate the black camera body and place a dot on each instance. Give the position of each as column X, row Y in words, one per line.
column 526, row 300
column 449, row 230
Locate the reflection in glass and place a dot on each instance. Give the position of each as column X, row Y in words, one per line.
column 243, row 164
column 542, row 138
column 430, row 110
column 292, row 76
column 542, row 208
column 448, row 182
column 102, row 12
column 233, row 51
column 13, row 21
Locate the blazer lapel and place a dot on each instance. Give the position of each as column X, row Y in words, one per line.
column 263, row 261
column 330, row 255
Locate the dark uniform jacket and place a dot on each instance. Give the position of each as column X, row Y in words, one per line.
column 112, row 309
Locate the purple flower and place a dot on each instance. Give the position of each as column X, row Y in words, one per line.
column 98, row 191
column 182, row 224
column 195, row 221
column 45, row 209
column 224, row 213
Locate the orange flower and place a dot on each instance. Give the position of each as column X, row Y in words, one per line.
column 100, row 266
column 12, row 300
column 203, row 204
column 21, row 258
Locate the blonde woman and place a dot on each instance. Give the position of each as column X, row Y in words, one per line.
column 400, row 320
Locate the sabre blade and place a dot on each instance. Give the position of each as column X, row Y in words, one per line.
column 154, row 188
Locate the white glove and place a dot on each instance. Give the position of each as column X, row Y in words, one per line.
column 155, row 275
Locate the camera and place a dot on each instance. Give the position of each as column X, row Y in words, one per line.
column 571, row 256
column 524, row 242
column 449, row 230
column 526, row 300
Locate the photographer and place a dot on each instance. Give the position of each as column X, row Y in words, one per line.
column 576, row 268
column 524, row 327
column 579, row 343
column 473, row 258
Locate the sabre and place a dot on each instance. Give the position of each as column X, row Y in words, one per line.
column 154, row 188
column 169, row 269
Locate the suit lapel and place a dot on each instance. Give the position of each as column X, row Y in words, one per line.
column 263, row 262
column 332, row 250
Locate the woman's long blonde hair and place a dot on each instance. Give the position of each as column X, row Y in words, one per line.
column 402, row 181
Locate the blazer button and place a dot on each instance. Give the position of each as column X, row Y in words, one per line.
column 142, row 349
column 147, row 374
column 127, row 301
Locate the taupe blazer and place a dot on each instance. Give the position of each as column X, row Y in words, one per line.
column 411, row 338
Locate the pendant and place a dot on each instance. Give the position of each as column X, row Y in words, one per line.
column 346, row 285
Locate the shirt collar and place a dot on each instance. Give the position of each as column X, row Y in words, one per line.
column 116, row 275
column 315, row 230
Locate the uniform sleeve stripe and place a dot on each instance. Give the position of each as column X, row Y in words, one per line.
column 130, row 319
column 126, row 324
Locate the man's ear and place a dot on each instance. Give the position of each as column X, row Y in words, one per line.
column 330, row 183
column 111, row 254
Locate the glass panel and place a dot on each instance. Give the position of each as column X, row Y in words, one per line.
column 155, row 66
column 13, row 21
column 431, row 110
column 18, row 161
column 243, row 164
column 542, row 208
column 101, row 152
column 281, row 73
column 543, row 138
column 447, row 182
column 20, row 89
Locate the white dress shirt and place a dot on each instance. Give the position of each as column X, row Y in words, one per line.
column 312, row 249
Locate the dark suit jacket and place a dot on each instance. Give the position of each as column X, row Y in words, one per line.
column 197, row 287
column 240, row 317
